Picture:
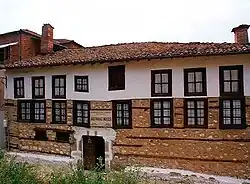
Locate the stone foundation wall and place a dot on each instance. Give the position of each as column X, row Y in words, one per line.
column 211, row 150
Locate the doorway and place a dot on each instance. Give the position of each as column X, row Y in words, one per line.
column 93, row 152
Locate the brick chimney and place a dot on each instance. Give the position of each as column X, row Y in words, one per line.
column 241, row 34
column 47, row 39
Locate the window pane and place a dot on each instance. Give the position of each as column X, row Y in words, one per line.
column 166, row 104
column 36, row 83
column 226, row 103
column 125, row 107
column 191, row 121
column 200, row 121
column 226, row 121
column 56, row 91
column 119, row 121
column 157, row 78
column 85, row 106
column 226, row 75
column 191, row 77
column 226, row 112
column 236, row 112
column 157, row 113
column 61, row 91
column 237, row 121
column 198, row 87
column 56, row 82
column 79, row 113
column 62, row 82
column 166, row 112
column 157, row 105
column 157, row 121
column 164, row 78
column 200, row 113
column 234, row 74
column 236, row 104
column 119, row 114
column 198, row 76
column 166, row 120
column 227, row 87
column 126, row 121
column 190, row 104
column 126, row 114
column 191, row 113
column 119, row 106
column 235, row 87
column 157, row 88
column 164, row 88
column 200, row 104
column 41, row 91
column 191, row 87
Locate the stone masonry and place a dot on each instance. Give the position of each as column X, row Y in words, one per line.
column 210, row 150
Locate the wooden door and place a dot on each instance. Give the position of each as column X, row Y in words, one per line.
column 89, row 154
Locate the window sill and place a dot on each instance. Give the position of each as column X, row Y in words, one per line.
column 161, row 126
column 116, row 89
column 161, row 94
column 194, row 127
column 84, row 126
column 122, row 127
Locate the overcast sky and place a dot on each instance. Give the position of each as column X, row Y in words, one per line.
column 98, row 22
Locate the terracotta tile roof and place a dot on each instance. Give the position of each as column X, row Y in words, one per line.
column 131, row 51
column 63, row 41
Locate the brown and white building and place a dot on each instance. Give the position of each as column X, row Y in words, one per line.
column 170, row 105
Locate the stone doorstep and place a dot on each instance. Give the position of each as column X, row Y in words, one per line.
column 51, row 158
column 165, row 173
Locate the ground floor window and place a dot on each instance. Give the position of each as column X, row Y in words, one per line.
column 31, row 111
column 81, row 113
column 232, row 113
column 162, row 113
column 195, row 113
column 122, row 114
column 62, row 136
column 59, row 111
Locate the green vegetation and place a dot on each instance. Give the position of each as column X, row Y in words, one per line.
column 13, row 172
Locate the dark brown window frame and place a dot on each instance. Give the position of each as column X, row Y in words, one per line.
column 86, row 85
column 243, row 124
column 39, row 136
column 162, row 125
column 53, row 112
column 32, row 111
column 54, row 77
column 111, row 85
column 114, row 104
column 75, row 116
column 203, row 82
column 34, row 87
column 240, row 80
column 167, row 71
column 186, row 125
column 61, row 135
column 15, row 80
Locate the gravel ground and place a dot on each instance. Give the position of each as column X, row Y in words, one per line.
column 49, row 163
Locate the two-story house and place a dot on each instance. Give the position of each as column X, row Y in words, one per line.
column 172, row 105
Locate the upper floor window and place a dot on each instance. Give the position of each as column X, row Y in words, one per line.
column 116, row 77
column 59, row 112
column 161, row 82
column 19, row 87
column 4, row 54
column 59, row 86
column 195, row 113
column 231, row 80
column 195, row 82
column 122, row 114
column 38, row 87
column 161, row 113
column 232, row 113
column 81, row 84
column 33, row 111
column 81, row 113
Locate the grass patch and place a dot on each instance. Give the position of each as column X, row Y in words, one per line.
column 13, row 172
